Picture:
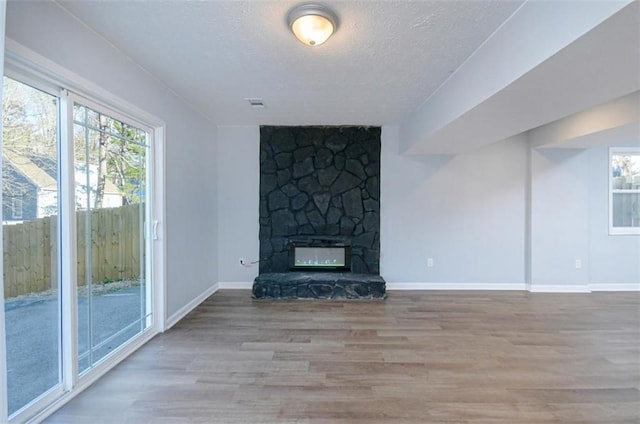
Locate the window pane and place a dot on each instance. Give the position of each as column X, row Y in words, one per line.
column 626, row 209
column 625, row 171
column 29, row 230
column 110, row 177
column 79, row 113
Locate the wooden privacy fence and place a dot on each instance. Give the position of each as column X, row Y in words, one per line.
column 30, row 250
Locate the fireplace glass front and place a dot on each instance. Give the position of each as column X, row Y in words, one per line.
column 320, row 255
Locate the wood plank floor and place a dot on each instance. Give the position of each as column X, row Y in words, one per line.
column 417, row 357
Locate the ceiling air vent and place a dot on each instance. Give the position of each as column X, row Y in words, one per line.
column 255, row 102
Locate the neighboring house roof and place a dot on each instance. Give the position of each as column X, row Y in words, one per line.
column 42, row 171
column 30, row 170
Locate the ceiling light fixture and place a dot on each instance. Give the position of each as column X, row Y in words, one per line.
column 312, row 24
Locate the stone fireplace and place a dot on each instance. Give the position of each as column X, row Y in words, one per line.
column 319, row 211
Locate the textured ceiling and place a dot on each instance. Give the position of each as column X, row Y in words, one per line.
column 385, row 60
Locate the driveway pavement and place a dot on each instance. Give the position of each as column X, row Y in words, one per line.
column 32, row 332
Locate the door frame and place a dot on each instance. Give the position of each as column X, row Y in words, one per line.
column 29, row 67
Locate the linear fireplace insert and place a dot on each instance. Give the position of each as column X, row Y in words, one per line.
column 317, row 253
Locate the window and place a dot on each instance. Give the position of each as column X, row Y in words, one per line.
column 624, row 191
column 16, row 208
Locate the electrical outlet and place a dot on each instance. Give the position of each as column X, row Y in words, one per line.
column 429, row 262
column 241, row 261
column 578, row 264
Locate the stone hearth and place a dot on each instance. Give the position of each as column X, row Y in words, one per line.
column 318, row 285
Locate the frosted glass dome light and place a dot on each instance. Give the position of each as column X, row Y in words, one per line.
column 312, row 24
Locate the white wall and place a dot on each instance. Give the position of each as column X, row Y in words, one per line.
column 570, row 210
column 238, row 165
column 190, row 224
column 559, row 219
column 614, row 260
column 467, row 212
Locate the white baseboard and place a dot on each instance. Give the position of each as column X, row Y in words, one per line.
column 454, row 286
column 559, row 288
column 235, row 285
column 614, row 287
column 534, row 288
column 182, row 312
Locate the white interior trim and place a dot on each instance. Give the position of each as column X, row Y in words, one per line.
column 559, row 288
column 67, row 243
column 4, row 408
column 630, row 287
column 182, row 312
column 159, row 241
column 453, row 286
column 535, row 288
column 617, row 231
column 28, row 62
column 235, row 285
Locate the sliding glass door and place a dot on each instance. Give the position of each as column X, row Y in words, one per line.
column 110, row 163
column 30, row 242
column 78, row 242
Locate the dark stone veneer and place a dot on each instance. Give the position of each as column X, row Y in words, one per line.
column 322, row 181
column 318, row 285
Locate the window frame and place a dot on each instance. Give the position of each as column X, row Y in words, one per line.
column 149, row 214
column 58, row 391
column 29, row 68
column 617, row 151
